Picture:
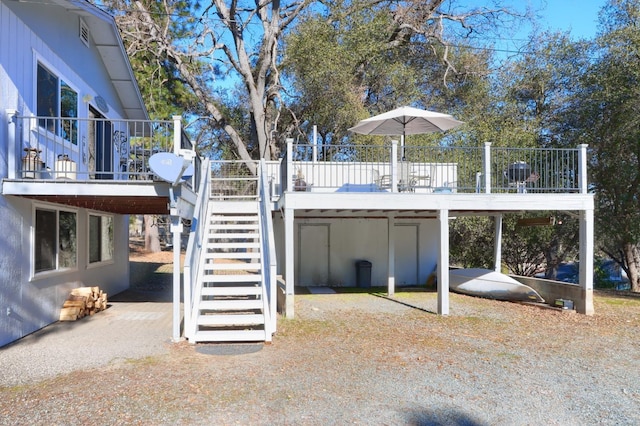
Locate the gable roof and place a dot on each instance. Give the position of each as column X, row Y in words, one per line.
column 106, row 38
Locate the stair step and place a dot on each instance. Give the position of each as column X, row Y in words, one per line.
column 251, row 218
column 234, row 226
column 233, row 278
column 230, row 320
column 232, row 291
column 235, row 255
column 233, row 207
column 230, row 336
column 234, row 235
column 216, row 245
column 230, row 305
column 243, row 266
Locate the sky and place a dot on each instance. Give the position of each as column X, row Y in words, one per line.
column 577, row 17
column 580, row 17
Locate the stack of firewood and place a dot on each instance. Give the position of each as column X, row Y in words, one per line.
column 83, row 301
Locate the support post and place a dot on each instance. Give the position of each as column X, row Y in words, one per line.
column 585, row 304
column 487, row 167
column 13, row 145
column 582, row 168
column 176, row 229
column 443, row 262
column 497, row 244
column 289, row 311
column 391, row 243
column 177, row 134
column 394, row 166
column 286, row 185
column 314, row 148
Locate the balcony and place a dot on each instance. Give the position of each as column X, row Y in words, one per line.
column 430, row 170
column 93, row 163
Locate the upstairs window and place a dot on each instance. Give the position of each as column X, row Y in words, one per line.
column 56, row 99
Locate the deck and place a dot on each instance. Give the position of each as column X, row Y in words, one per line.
column 99, row 164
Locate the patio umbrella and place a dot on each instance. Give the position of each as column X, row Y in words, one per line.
column 405, row 121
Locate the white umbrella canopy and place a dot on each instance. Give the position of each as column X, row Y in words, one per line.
column 406, row 121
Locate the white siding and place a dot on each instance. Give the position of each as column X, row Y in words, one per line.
column 28, row 304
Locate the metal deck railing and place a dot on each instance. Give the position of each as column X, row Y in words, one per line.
column 485, row 169
column 83, row 149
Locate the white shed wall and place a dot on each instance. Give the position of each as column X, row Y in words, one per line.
column 354, row 239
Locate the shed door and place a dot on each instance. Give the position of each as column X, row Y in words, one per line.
column 313, row 255
column 406, row 254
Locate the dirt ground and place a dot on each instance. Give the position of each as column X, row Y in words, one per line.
column 360, row 358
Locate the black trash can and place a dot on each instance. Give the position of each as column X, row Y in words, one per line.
column 363, row 274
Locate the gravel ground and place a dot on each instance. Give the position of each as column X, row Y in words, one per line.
column 346, row 358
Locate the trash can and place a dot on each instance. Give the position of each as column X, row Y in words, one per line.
column 363, row 274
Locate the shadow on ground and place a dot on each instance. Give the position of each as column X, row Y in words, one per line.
column 149, row 282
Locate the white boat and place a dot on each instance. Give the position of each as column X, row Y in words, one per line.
column 491, row 284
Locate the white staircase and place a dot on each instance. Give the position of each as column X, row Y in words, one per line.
column 229, row 304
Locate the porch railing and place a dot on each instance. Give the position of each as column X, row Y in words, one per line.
column 194, row 256
column 483, row 169
column 267, row 253
column 89, row 148
column 234, row 179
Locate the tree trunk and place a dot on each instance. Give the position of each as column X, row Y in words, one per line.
column 151, row 235
column 632, row 260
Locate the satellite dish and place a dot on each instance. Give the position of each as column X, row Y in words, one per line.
column 170, row 167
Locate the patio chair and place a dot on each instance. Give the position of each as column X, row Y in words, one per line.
column 406, row 180
column 382, row 182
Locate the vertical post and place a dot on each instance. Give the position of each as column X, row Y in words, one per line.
column 177, row 134
column 585, row 304
column 286, row 185
column 582, row 168
column 391, row 243
column 497, row 244
column 487, row 167
column 289, row 265
column 176, row 229
column 443, row 263
column 394, row 166
column 314, row 148
column 12, row 144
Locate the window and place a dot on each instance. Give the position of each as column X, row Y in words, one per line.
column 58, row 100
column 100, row 238
column 55, row 240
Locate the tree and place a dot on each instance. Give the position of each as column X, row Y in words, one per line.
column 242, row 41
column 610, row 123
column 354, row 59
column 525, row 106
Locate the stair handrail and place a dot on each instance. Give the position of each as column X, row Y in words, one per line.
column 268, row 253
column 195, row 246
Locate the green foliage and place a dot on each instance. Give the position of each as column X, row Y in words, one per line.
column 526, row 250
column 471, row 242
column 607, row 107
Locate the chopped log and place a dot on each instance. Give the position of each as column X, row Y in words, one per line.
column 83, row 301
column 74, row 304
column 70, row 314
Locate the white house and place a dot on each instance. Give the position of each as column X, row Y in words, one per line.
column 74, row 143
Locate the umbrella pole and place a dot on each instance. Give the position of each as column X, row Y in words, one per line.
column 402, row 147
